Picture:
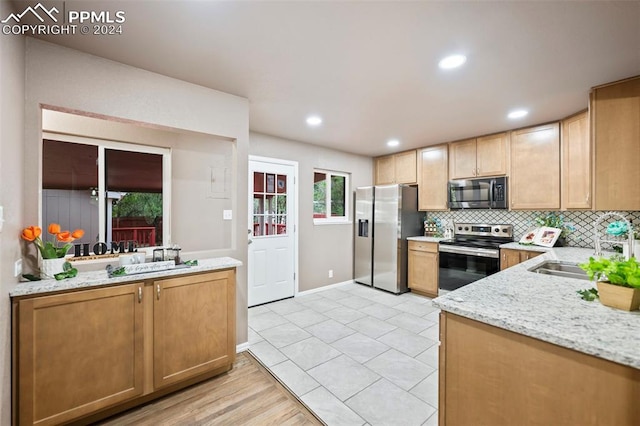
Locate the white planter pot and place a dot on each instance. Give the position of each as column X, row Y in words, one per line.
column 50, row 267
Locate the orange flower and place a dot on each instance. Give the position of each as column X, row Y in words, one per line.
column 54, row 228
column 78, row 233
column 31, row 233
column 64, row 237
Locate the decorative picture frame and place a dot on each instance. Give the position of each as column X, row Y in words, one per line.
column 547, row 236
column 529, row 236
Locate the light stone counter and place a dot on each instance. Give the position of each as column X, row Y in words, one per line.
column 426, row 239
column 100, row 278
column 527, row 247
column 547, row 308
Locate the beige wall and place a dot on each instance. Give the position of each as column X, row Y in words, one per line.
column 11, row 193
column 321, row 247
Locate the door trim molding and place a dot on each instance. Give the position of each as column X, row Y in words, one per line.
column 296, row 192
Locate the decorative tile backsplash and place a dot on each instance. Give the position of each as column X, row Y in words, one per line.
column 524, row 221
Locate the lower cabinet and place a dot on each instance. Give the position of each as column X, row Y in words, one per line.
column 79, row 353
column 510, row 257
column 423, row 268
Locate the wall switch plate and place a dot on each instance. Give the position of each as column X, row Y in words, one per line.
column 17, row 268
column 330, row 273
column 1, row 217
column 227, row 214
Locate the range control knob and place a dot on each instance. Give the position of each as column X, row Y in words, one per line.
column 505, row 230
column 466, row 228
column 496, row 230
column 459, row 228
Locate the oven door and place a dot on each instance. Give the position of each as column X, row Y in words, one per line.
column 459, row 266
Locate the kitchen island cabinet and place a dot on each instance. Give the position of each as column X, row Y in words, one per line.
column 522, row 348
column 88, row 347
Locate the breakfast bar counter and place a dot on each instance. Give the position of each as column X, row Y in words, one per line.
column 519, row 347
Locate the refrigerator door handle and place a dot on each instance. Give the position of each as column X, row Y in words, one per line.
column 363, row 228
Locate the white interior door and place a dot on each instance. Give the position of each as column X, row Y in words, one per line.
column 272, row 227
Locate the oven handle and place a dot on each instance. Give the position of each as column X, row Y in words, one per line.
column 480, row 252
column 492, row 201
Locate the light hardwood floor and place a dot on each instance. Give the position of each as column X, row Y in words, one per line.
column 246, row 395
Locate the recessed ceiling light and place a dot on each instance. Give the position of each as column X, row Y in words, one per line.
column 393, row 142
column 314, row 120
column 453, row 61
column 518, row 113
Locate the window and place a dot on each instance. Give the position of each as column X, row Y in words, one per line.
column 330, row 197
column 114, row 191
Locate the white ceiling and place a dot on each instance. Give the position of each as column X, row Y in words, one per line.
column 370, row 68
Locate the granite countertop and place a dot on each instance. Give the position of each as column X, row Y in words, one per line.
column 100, row 278
column 426, row 239
column 528, row 247
column 547, row 308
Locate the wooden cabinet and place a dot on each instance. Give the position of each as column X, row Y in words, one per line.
column 535, row 168
column 576, row 162
column 511, row 257
column 78, row 353
column 396, row 168
column 491, row 376
column 87, row 352
column 433, row 178
column 615, row 120
column 193, row 326
column 479, row 157
column 423, row 268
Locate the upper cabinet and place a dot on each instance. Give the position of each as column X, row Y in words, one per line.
column 479, row 157
column 615, row 121
column 432, row 183
column 535, row 168
column 396, row 168
column 576, row 162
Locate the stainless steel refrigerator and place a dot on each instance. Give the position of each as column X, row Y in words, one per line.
column 385, row 215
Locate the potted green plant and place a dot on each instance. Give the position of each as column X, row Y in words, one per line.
column 554, row 220
column 618, row 281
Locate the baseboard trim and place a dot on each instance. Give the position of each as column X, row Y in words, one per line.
column 323, row 288
column 242, row 347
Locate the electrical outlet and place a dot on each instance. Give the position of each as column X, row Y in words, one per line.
column 227, row 214
column 330, row 273
column 17, row 268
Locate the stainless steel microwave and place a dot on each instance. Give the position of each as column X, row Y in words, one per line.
column 481, row 193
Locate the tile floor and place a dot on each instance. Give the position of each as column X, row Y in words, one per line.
column 355, row 355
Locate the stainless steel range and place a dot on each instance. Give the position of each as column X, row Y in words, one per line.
column 472, row 254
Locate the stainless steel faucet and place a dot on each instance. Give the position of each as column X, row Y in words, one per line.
column 598, row 237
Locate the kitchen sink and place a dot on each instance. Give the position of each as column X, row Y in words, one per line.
column 560, row 269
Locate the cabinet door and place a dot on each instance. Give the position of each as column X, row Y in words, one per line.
column 405, row 167
column 432, row 185
column 385, row 170
column 193, row 325
column 535, row 168
column 526, row 255
column 509, row 258
column 616, row 127
column 78, row 353
column 462, row 159
column 576, row 162
column 423, row 268
column 491, row 155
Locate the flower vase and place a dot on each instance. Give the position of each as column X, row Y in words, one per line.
column 50, row 267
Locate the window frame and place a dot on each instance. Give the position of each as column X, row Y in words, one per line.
column 335, row 220
column 102, row 145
